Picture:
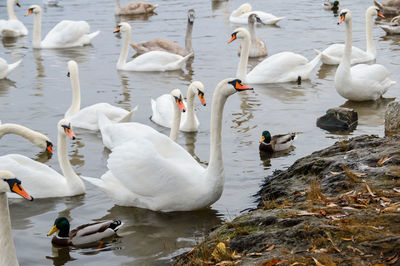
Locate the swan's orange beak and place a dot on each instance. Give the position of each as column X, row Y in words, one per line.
column 69, row 133
column 49, row 148
column 17, row 188
column 202, row 100
column 117, row 29
column 233, row 38
column 30, row 10
column 180, row 104
column 380, row 14
column 341, row 19
column 241, row 87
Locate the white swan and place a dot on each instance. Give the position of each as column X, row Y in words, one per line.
column 12, row 27
column 88, row 117
column 241, row 14
column 281, row 67
column 65, row 34
column 41, row 180
column 156, row 173
column 163, row 109
column 361, row 82
column 333, row 54
column 6, row 68
column 257, row 46
column 8, row 184
column 33, row 136
column 160, row 44
column 114, row 135
column 151, row 61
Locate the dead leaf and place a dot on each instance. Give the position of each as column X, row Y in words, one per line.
column 385, row 199
column 321, row 250
column 353, row 177
column 382, row 161
column 323, row 212
column 355, row 249
column 254, row 254
column 346, row 239
column 271, row 247
column 305, row 213
column 349, row 208
column 225, row 262
column 369, row 190
column 190, row 252
column 331, row 205
column 273, row 262
column 317, row 262
column 335, row 173
column 397, row 190
column 220, row 253
column 333, row 244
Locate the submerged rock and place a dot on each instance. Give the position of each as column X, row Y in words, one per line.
column 337, row 206
column 392, row 119
column 338, row 119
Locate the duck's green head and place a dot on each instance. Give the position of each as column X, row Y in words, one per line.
column 266, row 137
column 336, row 3
column 61, row 224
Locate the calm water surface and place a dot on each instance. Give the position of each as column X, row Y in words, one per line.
column 38, row 93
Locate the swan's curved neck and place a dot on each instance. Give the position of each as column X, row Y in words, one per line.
column 124, row 51
column 348, row 43
column 22, row 131
column 76, row 94
column 10, row 10
column 188, row 39
column 176, row 122
column 369, row 38
column 244, row 58
column 190, row 116
column 252, row 30
column 73, row 180
column 216, row 167
column 37, row 30
column 117, row 7
column 7, row 251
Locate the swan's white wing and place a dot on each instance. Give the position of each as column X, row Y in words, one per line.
column 152, row 170
column 277, row 68
column 12, row 28
column 153, row 61
column 373, row 72
column 37, row 178
column 88, row 116
column 163, row 110
column 334, row 53
column 66, row 32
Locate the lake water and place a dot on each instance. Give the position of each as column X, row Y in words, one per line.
column 38, row 93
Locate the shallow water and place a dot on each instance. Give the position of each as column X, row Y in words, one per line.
column 38, row 93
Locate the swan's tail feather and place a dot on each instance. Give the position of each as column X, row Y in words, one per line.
column 184, row 59
column 95, row 181
column 128, row 117
column 317, row 51
column 102, row 121
column 151, row 9
column 390, row 29
column 92, row 35
column 13, row 66
column 276, row 20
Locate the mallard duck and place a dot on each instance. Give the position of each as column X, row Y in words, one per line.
column 393, row 27
column 83, row 234
column 277, row 142
column 334, row 6
column 389, row 7
column 134, row 8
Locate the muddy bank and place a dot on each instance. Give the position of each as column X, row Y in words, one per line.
column 337, row 206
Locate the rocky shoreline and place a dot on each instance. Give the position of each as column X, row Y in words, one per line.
column 337, row 206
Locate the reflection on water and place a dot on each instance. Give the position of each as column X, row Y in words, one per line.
column 60, row 255
column 371, row 113
column 157, row 234
column 5, row 84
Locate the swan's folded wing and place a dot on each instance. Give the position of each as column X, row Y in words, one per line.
column 67, row 31
column 163, row 113
column 152, row 170
column 373, row 72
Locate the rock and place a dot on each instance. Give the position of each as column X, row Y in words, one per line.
column 338, row 119
column 392, row 119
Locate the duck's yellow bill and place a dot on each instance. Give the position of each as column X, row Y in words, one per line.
column 262, row 139
column 52, row 231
